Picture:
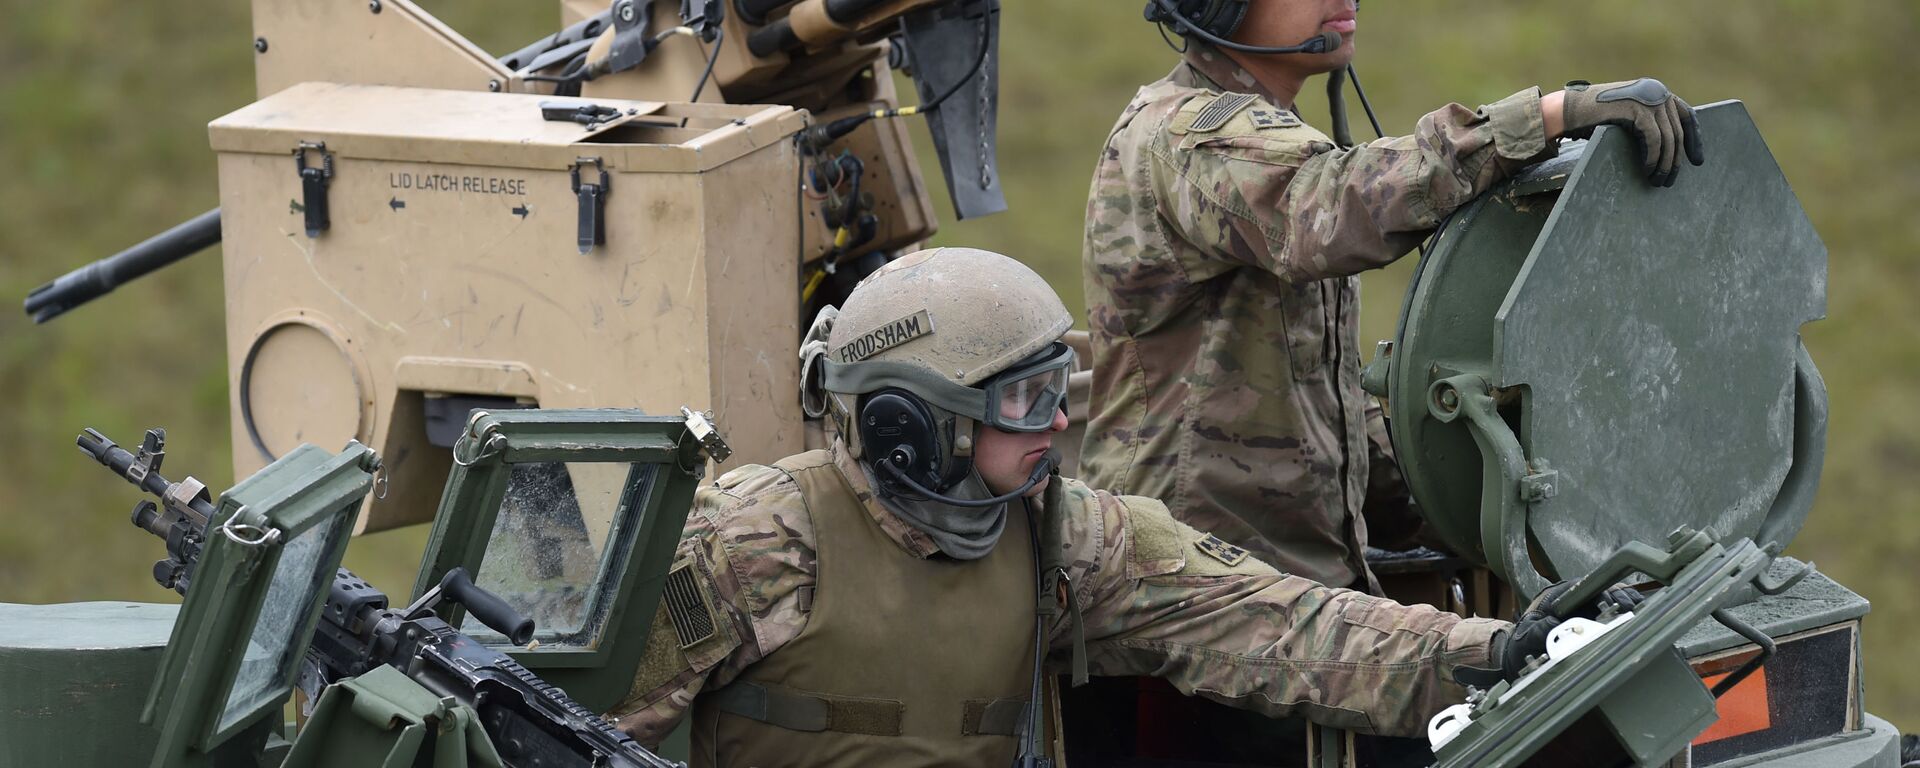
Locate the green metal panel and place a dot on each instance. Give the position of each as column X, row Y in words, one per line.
column 1816, row 601
column 1625, row 670
column 78, row 668
column 664, row 463
column 1649, row 318
column 383, row 718
column 272, row 548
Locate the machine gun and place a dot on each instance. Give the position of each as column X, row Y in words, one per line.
column 528, row 721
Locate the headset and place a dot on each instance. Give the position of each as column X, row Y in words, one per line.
column 1215, row 20
column 901, row 437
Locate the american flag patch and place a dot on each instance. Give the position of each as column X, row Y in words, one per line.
column 691, row 619
column 1222, row 109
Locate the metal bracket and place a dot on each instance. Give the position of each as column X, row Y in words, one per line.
column 700, row 425
column 631, row 43
column 153, row 450
column 1505, row 477
column 313, row 185
column 593, row 204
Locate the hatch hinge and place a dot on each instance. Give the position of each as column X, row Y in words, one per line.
column 313, row 185
column 593, row 204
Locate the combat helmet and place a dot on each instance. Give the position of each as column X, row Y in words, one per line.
column 929, row 346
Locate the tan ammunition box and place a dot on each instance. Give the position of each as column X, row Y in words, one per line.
column 450, row 266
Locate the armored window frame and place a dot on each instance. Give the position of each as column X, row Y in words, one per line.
column 306, row 489
column 649, row 533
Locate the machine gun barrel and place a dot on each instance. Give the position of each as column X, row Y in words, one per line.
column 95, row 280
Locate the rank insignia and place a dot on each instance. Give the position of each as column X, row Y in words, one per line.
column 1220, row 550
column 1273, row 118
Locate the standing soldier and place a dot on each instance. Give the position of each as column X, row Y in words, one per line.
column 874, row 603
column 1223, row 239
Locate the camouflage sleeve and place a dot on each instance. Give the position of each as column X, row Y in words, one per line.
column 1263, row 189
column 747, row 550
column 1159, row 598
column 1392, row 520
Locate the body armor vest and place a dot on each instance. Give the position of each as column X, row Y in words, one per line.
column 904, row 661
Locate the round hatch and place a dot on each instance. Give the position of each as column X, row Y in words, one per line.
column 1586, row 360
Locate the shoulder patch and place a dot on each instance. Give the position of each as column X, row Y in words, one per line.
column 1217, row 112
column 1218, row 549
column 690, row 632
column 1273, row 118
column 1154, row 539
column 692, row 616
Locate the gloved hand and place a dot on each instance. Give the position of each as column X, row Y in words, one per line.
column 1660, row 120
column 1528, row 636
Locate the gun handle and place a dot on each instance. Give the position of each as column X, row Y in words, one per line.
column 486, row 606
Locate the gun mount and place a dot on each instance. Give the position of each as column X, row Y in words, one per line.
column 268, row 609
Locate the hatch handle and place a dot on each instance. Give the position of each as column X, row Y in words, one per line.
column 1752, row 635
column 314, row 180
column 593, row 204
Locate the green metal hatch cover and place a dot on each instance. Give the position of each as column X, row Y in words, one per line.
column 1586, row 360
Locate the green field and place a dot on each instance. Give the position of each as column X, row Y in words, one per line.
column 103, row 108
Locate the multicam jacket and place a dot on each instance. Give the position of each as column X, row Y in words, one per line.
column 1223, row 236
column 1155, row 596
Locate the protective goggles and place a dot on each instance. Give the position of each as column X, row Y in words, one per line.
column 1022, row 398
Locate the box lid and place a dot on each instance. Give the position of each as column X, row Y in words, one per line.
column 376, row 122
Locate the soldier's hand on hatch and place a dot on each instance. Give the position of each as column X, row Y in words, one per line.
column 1661, row 121
column 1528, row 637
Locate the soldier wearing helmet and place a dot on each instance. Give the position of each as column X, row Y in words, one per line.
column 1223, row 237
column 874, row 603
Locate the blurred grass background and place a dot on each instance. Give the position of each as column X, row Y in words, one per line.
column 103, row 107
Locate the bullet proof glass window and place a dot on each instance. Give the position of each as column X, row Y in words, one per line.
column 304, row 570
column 556, row 551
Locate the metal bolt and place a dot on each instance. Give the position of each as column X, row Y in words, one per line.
column 626, row 13
column 259, row 45
column 1449, row 399
column 373, row 5
column 492, row 85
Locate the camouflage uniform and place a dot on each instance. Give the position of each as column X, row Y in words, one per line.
column 1153, row 601
column 1222, row 239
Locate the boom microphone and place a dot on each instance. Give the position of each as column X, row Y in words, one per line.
column 1185, row 25
column 1320, row 43
column 1041, row 469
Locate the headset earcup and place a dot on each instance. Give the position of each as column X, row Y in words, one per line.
column 896, row 424
column 1227, row 15
column 1217, row 17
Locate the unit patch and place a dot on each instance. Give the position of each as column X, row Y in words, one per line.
column 1222, row 109
column 885, row 337
column 1220, row 550
column 1273, row 118
column 691, row 619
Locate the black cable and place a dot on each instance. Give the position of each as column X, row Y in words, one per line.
column 819, row 136
column 1321, row 43
column 979, row 64
column 1040, row 471
column 719, row 35
column 1364, row 104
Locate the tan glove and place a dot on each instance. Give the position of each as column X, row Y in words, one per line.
column 1660, row 120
